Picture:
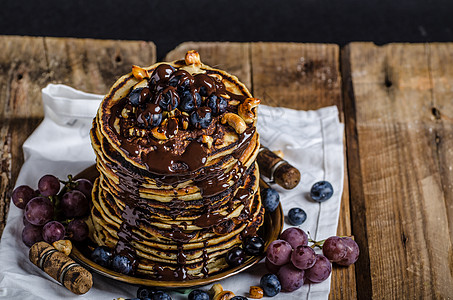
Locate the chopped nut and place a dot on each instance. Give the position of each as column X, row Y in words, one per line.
column 245, row 109
column 185, row 124
column 234, row 121
column 125, row 113
column 215, row 289
column 206, row 139
column 139, row 72
column 158, row 135
column 192, row 58
column 256, row 292
column 225, row 295
column 234, row 102
column 226, row 96
column 64, row 246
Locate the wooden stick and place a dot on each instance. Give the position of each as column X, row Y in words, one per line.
column 61, row 268
column 277, row 169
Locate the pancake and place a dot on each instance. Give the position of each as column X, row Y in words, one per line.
column 176, row 148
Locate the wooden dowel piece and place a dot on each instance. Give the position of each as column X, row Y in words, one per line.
column 277, row 169
column 61, row 268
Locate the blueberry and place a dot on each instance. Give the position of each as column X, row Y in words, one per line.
column 203, row 91
column 181, row 80
column 145, row 292
column 271, row 199
column 168, row 99
column 187, row 101
column 162, row 72
column 239, row 298
column 296, row 216
column 270, row 285
column 159, row 295
column 135, row 97
column 151, row 116
column 134, row 299
column 201, row 117
column 102, row 256
column 198, row 295
column 217, row 105
column 253, row 245
column 235, row 257
column 121, row 264
column 321, row 191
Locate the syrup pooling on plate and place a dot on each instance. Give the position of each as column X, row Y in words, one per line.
column 179, row 183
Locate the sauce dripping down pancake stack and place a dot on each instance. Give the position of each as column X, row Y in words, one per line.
column 176, row 145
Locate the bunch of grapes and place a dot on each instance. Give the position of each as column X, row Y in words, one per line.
column 294, row 262
column 49, row 208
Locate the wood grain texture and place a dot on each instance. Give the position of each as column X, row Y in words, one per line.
column 299, row 76
column 94, row 65
column 27, row 64
column 398, row 150
column 305, row 76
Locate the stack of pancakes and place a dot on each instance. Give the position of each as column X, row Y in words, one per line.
column 176, row 193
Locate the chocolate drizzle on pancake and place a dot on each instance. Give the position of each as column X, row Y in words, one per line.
column 178, row 185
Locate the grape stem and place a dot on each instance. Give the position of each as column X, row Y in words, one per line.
column 321, row 242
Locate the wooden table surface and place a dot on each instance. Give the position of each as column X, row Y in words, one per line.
column 397, row 105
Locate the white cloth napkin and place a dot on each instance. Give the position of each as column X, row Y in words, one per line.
column 311, row 140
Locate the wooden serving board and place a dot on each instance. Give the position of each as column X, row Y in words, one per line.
column 397, row 105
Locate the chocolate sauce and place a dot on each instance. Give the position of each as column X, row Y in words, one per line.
column 177, row 159
column 161, row 73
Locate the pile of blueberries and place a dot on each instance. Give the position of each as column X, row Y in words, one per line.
column 170, row 89
column 105, row 257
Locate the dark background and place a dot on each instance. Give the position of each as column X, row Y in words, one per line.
column 168, row 23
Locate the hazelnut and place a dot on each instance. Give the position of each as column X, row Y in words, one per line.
column 64, row 246
column 256, row 292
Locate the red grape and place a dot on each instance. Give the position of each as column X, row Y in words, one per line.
column 334, row 248
column 74, row 204
column 303, row 257
column 271, row 267
column 295, row 236
column 290, row 277
column 85, row 186
column 352, row 252
column 39, row 211
column 53, row 231
column 279, row 252
column 320, row 270
column 77, row 230
column 48, row 185
column 31, row 234
column 21, row 195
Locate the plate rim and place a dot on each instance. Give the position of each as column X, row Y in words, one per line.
column 275, row 218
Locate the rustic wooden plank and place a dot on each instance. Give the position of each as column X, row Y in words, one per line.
column 300, row 76
column 27, row 64
column 23, row 71
column 305, row 76
column 441, row 68
column 231, row 57
column 94, row 65
column 401, row 162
